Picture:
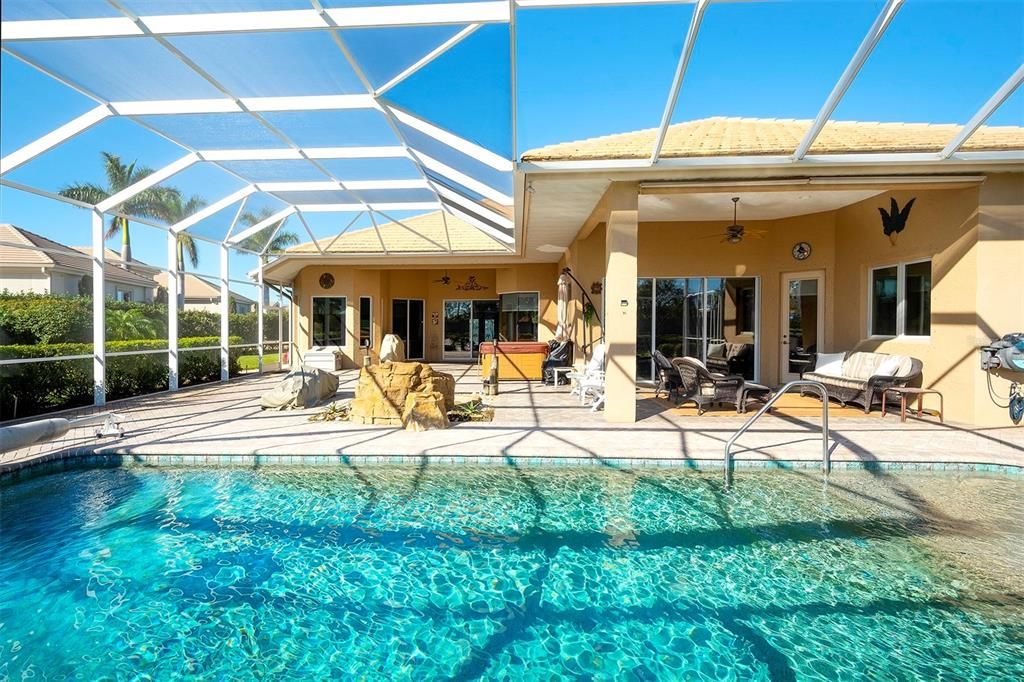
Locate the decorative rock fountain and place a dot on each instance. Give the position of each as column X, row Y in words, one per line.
column 409, row 394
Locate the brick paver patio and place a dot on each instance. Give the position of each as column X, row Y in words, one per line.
column 531, row 420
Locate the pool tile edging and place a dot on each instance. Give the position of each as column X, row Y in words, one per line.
column 66, row 461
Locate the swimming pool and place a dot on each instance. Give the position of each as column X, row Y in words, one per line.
column 510, row 573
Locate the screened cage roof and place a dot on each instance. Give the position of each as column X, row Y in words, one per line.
column 345, row 115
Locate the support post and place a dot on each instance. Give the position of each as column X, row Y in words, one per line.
column 99, row 313
column 259, row 314
column 225, row 295
column 172, row 310
column 622, row 227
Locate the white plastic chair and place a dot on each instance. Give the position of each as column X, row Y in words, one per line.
column 590, row 382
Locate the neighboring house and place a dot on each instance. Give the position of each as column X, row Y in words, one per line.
column 807, row 269
column 50, row 267
column 203, row 295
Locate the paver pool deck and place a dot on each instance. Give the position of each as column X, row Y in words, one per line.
column 531, row 421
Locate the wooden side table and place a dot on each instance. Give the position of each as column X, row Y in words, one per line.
column 905, row 392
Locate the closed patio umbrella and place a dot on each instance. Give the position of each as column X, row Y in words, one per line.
column 563, row 330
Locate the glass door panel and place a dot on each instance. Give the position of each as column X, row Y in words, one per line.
column 644, row 324
column 802, row 324
column 457, row 340
column 485, row 324
column 414, row 346
column 713, row 319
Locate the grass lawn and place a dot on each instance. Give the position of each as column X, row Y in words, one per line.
column 250, row 362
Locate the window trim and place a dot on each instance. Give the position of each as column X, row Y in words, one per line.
column 344, row 331
column 901, row 301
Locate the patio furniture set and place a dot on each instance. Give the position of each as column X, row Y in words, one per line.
column 862, row 378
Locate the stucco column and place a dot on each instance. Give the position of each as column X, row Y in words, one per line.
column 620, row 304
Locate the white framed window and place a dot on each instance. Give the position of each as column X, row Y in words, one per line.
column 900, row 299
column 520, row 313
column 329, row 320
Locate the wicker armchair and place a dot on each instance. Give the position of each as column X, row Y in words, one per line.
column 666, row 374
column 704, row 388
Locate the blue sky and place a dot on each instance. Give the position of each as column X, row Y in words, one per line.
column 582, row 72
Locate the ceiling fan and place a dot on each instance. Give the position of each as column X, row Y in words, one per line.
column 735, row 232
column 445, row 279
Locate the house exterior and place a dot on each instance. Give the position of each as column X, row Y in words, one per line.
column 203, row 295
column 49, row 267
column 815, row 267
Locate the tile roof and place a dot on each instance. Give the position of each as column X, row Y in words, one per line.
column 60, row 256
column 198, row 288
column 724, row 136
column 418, row 234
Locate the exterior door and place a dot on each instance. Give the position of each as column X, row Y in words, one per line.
column 803, row 322
column 407, row 323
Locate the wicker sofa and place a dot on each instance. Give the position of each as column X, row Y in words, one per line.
column 862, row 383
column 731, row 358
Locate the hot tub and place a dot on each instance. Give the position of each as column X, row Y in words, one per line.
column 517, row 360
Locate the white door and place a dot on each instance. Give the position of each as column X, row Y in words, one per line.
column 803, row 322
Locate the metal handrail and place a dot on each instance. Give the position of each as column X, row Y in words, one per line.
column 826, row 462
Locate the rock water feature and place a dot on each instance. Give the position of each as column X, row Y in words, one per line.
column 409, row 394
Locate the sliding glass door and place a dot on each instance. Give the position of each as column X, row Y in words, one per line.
column 713, row 319
column 467, row 324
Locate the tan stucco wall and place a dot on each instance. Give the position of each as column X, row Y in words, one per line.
column 385, row 285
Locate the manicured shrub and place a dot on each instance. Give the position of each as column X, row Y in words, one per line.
column 37, row 387
column 27, row 318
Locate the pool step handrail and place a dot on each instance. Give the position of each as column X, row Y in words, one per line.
column 826, row 462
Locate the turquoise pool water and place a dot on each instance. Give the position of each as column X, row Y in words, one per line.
column 507, row 573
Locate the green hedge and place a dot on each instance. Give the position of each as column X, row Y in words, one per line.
column 37, row 387
column 46, row 318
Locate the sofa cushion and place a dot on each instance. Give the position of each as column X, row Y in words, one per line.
column 717, row 350
column 862, row 365
column 891, row 366
column 842, row 382
column 829, row 364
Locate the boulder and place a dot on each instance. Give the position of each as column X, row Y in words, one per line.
column 383, row 390
column 392, row 349
column 424, row 412
column 301, row 388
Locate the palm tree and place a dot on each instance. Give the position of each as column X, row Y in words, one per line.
column 147, row 203
column 269, row 240
column 174, row 210
column 126, row 325
column 282, row 239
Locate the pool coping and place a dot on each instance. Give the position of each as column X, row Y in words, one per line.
column 64, row 462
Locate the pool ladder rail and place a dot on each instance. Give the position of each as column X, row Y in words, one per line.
column 826, row 461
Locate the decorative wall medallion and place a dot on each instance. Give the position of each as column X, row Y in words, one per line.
column 895, row 220
column 470, row 285
column 326, row 280
column 801, row 251
column 596, row 288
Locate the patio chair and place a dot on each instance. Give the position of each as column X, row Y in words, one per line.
column 590, row 382
column 666, row 374
column 705, row 388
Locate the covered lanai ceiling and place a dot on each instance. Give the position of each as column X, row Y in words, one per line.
column 361, row 109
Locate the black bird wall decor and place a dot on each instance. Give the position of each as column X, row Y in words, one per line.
column 895, row 219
